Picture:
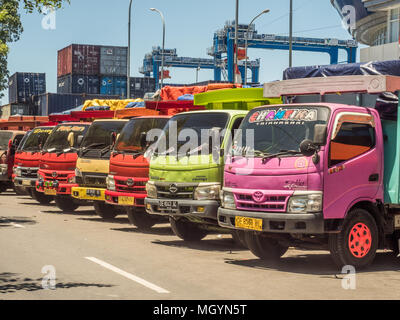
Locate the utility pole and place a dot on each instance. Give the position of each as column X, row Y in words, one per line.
column 235, row 63
column 291, row 35
column 129, row 54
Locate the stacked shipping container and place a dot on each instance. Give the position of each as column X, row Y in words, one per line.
column 98, row 69
column 24, row 85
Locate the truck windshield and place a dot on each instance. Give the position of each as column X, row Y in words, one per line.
column 36, row 139
column 99, row 135
column 130, row 138
column 193, row 129
column 4, row 139
column 278, row 130
column 58, row 139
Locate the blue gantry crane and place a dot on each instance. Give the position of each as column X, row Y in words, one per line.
column 222, row 52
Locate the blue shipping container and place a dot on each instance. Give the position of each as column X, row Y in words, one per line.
column 78, row 84
column 24, row 85
column 114, row 86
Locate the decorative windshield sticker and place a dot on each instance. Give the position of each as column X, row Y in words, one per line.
column 38, row 131
column 337, row 169
column 283, row 116
column 68, row 129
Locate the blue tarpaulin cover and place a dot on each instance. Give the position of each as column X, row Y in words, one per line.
column 391, row 67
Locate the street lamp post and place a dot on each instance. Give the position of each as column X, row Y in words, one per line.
column 246, row 38
column 163, row 45
column 291, row 34
column 235, row 54
column 129, row 54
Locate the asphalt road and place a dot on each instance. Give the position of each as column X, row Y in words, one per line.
column 95, row 259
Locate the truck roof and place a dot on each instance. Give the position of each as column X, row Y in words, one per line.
column 230, row 112
column 111, row 120
column 332, row 106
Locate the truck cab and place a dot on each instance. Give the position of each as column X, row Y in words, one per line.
column 129, row 168
column 317, row 175
column 93, row 163
column 9, row 142
column 27, row 159
column 56, row 175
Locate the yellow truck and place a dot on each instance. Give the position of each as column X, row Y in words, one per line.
column 93, row 163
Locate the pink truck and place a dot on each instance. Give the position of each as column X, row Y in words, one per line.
column 317, row 175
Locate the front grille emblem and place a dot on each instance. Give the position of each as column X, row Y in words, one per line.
column 54, row 174
column 258, row 196
column 173, row 188
column 130, row 182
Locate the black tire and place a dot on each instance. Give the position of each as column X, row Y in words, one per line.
column 41, row 197
column 186, row 230
column 105, row 211
column 66, row 204
column 140, row 218
column 20, row 191
column 359, row 222
column 238, row 237
column 263, row 247
column 3, row 187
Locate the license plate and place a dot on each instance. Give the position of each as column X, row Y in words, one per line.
column 126, row 201
column 397, row 222
column 168, row 204
column 26, row 183
column 93, row 193
column 50, row 192
column 249, row 223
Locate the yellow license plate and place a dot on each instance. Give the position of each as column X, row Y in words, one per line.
column 50, row 192
column 126, row 201
column 249, row 223
column 26, row 183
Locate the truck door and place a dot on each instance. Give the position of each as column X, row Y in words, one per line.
column 354, row 166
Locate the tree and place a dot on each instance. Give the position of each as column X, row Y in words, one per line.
column 11, row 27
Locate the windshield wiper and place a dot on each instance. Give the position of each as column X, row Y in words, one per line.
column 105, row 150
column 280, row 154
column 60, row 152
column 49, row 150
column 91, row 146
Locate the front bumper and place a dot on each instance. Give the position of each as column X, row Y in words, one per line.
column 90, row 194
column 310, row 223
column 62, row 189
column 25, row 182
column 205, row 209
column 130, row 199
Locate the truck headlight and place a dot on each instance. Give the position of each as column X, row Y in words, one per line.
column 78, row 172
column 110, row 181
column 151, row 190
column 18, row 171
column 305, row 203
column 228, row 200
column 3, row 169
column 207, row 192
column 72, row 180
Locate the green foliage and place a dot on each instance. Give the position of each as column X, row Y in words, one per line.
column 11, row 27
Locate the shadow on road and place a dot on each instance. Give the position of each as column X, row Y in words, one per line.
column 204, row 245
column 115, row 220
column 35, row 203
column 160, row 231
column 8, row 221
column 76, row 213
column 11, row 283
column 317, row 264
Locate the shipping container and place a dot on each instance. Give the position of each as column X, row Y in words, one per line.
column 78, row 59
column 78, row 84
column 113, row 61
column 114, row 86
column 57, row 103
column 9, row 110
column 24, row 85
column 141, row 85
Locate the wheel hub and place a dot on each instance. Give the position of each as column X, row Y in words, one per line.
column 360, row 240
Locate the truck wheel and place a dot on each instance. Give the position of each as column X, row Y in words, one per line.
column 141, row 219
column 264, row 247
column 3, row 187
column 41, row 197
column 66, row 204
column 20, row 191
column 357, row 242
column 187, row 230
column 239, row 237
column 105, row 210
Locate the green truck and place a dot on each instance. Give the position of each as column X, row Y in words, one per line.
column 185, row 183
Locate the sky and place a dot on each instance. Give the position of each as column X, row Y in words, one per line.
column 190, row 26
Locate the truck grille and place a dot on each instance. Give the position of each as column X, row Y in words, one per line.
column 183, row 192
column 93, row 180
column 133, row 186
column 60, row 177
column 29, row 172
column 271, row 203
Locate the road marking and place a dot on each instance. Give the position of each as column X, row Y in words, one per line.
column 128, row 275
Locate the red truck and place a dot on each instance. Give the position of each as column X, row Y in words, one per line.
column 26, row 163
column 56, row 175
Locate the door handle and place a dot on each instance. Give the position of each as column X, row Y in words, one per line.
column 373, row 177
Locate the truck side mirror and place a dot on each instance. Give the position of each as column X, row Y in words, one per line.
column 143, row 139
column 79, row 140
column 320, row 132
column 308, row 148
